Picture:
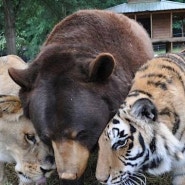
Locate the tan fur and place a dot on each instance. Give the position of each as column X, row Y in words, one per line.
column 173, row 97
column 17, row 132
column 67, row 149
column 6, row 82
column 162, row 80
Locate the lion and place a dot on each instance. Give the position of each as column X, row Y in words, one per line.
column 7, row 85
column 19, row 142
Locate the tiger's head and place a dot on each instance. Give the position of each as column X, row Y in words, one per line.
column 135, row 141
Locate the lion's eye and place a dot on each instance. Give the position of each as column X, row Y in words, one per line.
column 30, row 138
column 120, row 144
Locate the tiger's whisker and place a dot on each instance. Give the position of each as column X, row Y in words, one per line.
column 140, row 177
column 133, row 182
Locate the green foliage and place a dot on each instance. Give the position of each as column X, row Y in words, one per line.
column 2, row 42
column 181, row 1
column 35, row 19
column 33, row 25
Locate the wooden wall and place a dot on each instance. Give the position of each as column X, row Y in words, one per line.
column 161, row 26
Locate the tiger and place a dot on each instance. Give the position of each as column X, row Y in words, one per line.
column 147, row 134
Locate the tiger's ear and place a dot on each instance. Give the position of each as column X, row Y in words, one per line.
column 144, row 109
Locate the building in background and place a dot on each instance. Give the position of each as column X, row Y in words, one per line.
column 163, row 20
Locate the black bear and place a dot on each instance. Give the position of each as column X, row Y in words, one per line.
column 78, row 80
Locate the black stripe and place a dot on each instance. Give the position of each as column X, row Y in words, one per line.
column 128, row 120
column 115, row 131
column 132, row 129
column 137, row 93
column 118, row 113
column 115, row 121
column 176, row 124
column 153, row 144
column 155, row 163
column 133, row 94
column 169, row 68
column 166, row 111
column 176, row 72
column 127, row 163
column 161, row 76
column 166, row 146
column 159, row 84
column 146, row 159
column 182, row 133
column 130, row 146
column 183, row 150
column 141, row 141
column 177, row 59
column 122, row 134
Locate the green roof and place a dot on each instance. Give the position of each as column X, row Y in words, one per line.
column 147, row 7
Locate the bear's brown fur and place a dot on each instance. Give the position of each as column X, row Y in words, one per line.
column 77, row 82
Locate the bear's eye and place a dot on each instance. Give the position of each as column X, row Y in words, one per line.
column 82, row 135
column 30, row 138
column 120, row 144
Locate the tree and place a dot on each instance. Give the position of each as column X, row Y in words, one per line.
column 33, row 21
column 9, row 18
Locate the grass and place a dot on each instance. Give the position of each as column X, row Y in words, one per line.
column 89, row 176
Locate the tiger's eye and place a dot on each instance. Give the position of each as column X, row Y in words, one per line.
column 119, row 144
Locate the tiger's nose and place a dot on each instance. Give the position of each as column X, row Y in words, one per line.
column 103, row 179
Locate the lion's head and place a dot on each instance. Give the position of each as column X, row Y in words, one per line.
column 20, row 143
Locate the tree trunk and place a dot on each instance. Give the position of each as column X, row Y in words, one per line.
column 10, row 34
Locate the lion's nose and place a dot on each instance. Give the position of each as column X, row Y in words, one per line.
column 20, row 173
column 50, row 159
column 44, row 171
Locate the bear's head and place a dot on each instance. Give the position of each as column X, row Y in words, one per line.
column 69, row 103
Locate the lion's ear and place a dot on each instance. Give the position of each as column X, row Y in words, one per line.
column 144, row 109
column 9, row 104
column 102, row 67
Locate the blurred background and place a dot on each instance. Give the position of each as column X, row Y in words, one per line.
column 25, row 24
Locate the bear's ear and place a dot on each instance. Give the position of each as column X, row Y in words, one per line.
column 144, row 109
column 102, row 67
column 18, row 76
column 23, row 77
